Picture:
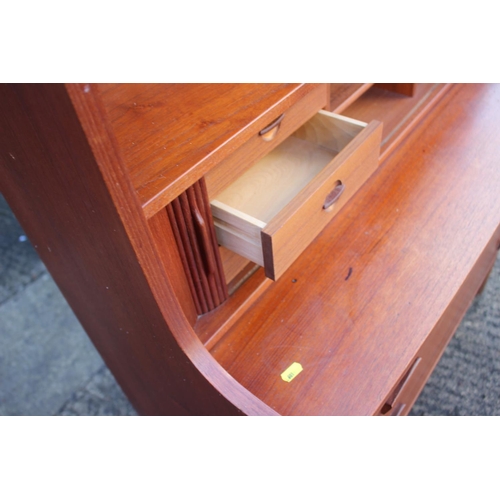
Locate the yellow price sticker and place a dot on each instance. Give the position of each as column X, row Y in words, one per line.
column 291, row 372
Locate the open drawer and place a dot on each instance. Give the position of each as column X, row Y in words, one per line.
column 273, row 211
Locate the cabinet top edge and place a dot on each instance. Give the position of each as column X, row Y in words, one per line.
column 170, row 135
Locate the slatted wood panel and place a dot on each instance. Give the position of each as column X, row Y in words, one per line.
column 194, row 232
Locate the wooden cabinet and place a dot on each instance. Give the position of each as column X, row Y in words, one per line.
column 351, row 240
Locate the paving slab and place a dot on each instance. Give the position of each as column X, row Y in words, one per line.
column 19, row 262
column 45, row 355
column 100, row 397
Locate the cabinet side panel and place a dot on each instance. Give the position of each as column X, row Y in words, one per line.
column 81, row 215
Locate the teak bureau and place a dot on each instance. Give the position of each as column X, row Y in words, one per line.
column 260, row 249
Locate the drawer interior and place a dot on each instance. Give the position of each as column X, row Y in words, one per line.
column 275, row 185
column 275, row 180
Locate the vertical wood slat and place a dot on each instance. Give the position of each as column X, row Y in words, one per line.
column 197, row 251
column 221, row 281
column 162, row 233
column 184, row 259
column 194, row 232
column 206, row 258
column 183, row 242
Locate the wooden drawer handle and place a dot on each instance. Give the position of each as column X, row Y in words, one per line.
column 269, row 133
column 389, row 404
column 334, row 195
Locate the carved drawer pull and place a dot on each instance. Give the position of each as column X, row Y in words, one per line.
column 389, row 404
column 334, row 195
column 269, row 133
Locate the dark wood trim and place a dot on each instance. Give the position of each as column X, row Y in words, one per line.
column 407, row 89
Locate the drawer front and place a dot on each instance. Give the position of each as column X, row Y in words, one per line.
column 396, row 402
column 400, row 402
column 292, row 230
column 285, row 118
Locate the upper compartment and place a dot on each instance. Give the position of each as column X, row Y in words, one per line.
column 170, row 135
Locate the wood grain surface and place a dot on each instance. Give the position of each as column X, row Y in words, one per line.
column 255, row 148
column 280, row 199
column 384, row 283
column 273, row 182
column 407, row 89
column 214, row 325
column 232, row 264
column 435, row 344
column 344, row 94
column 357, row 306
column 170, row 135
column 291, row 231
column 399, row 113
